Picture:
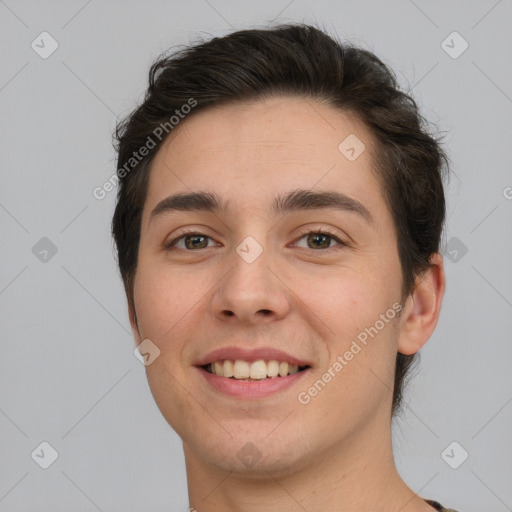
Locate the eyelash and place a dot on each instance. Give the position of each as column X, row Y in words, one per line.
column 302, row 235
column 326, row 232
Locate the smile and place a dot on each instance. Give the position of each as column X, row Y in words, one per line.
column 257, row 370
column 247, row 381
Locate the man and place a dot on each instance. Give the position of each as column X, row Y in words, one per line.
column 277, row 226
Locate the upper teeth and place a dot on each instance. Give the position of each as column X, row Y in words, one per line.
column 257, row 370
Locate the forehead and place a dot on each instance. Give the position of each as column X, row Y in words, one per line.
column 246, row 150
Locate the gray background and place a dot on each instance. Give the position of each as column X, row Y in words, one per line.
column 67, row 372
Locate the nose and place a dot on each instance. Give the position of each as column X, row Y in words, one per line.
column 251, row 292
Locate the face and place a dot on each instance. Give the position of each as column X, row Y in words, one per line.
column 316, row 277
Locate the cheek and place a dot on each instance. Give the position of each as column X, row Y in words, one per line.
column 347, row 298
column 163, row 297
column 361, row 348
column 166, row 302
column 354, row 310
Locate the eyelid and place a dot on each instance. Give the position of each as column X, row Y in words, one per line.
column 322, row 231
column 184, row 233
column 303, row 232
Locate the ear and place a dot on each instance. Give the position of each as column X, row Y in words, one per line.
column 133, row 323
column 422, row 308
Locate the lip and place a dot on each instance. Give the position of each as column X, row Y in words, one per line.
column 250, row 355
column 250, row 389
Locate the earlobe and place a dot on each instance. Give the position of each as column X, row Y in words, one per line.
column 422, row 308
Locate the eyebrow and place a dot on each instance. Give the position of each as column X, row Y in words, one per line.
column 291, row 201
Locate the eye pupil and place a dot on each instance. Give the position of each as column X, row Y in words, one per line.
column 193, row 244
column 318, row 236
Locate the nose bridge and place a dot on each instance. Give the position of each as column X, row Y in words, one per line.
column 254, row 258
column 251, row 287
column 252, row 262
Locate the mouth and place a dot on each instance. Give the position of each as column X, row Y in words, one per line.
column 251, row 373
column 244, row 380
column 259, row 370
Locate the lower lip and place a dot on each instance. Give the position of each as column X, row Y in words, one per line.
column 251, row 389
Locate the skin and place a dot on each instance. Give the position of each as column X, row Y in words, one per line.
column 335, row 453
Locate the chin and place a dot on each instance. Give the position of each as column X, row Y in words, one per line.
column 248, row 456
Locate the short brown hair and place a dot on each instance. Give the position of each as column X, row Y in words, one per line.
column 295, row 59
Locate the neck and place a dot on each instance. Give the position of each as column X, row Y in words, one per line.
column 356, row 475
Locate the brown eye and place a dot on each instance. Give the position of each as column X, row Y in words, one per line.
column 195, row 242
column 320, row 240
column 190, row 241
